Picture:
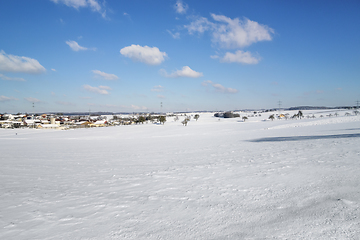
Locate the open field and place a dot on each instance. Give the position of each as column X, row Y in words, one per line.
column 227, row 179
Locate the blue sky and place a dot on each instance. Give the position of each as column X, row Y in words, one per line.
column 130, row 56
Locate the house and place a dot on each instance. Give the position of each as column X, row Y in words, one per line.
column 5, row 124
column 10, row 124
column 48, row 126
column 98, row 123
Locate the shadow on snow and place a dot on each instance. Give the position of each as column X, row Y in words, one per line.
column 301, row 138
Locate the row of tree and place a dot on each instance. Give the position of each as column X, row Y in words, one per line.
column 157, row 118
column 300, row 115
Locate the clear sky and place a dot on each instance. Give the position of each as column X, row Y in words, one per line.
column 76, row 55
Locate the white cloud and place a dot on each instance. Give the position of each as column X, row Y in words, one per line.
column 234, row 33
column 158, row 88
column 105, row 87
column 3, row 77
column 186, row 71
column 12, row 63
column 181, row 7
column 72, row 3
column 100, row 89
column 104, row 75
column 5, row 99
column 231, row 33
column 65, row 103
column 128, row 16
column 219, row 88
column 53, row 69
column 76, row 47
column 92, row 4
column 174, row 35
column 161, row 96
column 148, row 55
column 138, row 107
column 240, row 57
column 200, row 25
column 32, row 100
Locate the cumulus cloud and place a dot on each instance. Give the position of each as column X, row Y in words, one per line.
column 104, row 75
column 218, row 87
column 76, row 47
column 5, row 99
column 92, row 4
column 12, row 63
column 138, row 107
column 32, row 100
column 200, row 25
column 3, row 77
column 100, row 90
column 148, row 55
column 240, row 57
column 181, row 7
column 186, row 71
column 236, row 33
column 158, row 88
column 231, row 33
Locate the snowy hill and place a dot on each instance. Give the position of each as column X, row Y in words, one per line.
column 213, row 179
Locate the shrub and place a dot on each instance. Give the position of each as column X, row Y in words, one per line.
column 162, row 119
column 228, row 115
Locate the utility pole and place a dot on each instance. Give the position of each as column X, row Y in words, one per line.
column 357, row 104
column 161, row 107
column 279, row 102
column 33, row 115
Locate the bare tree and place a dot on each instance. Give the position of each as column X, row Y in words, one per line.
column 185, row 121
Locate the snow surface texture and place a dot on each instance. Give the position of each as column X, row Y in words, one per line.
column 227, row 179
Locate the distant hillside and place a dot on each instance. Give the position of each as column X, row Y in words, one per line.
column 317, row 108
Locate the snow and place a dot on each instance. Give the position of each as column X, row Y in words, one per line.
column 227, row 179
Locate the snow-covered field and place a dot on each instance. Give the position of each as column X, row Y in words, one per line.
column 227, row 179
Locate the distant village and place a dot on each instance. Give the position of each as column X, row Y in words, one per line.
column 59, row 121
